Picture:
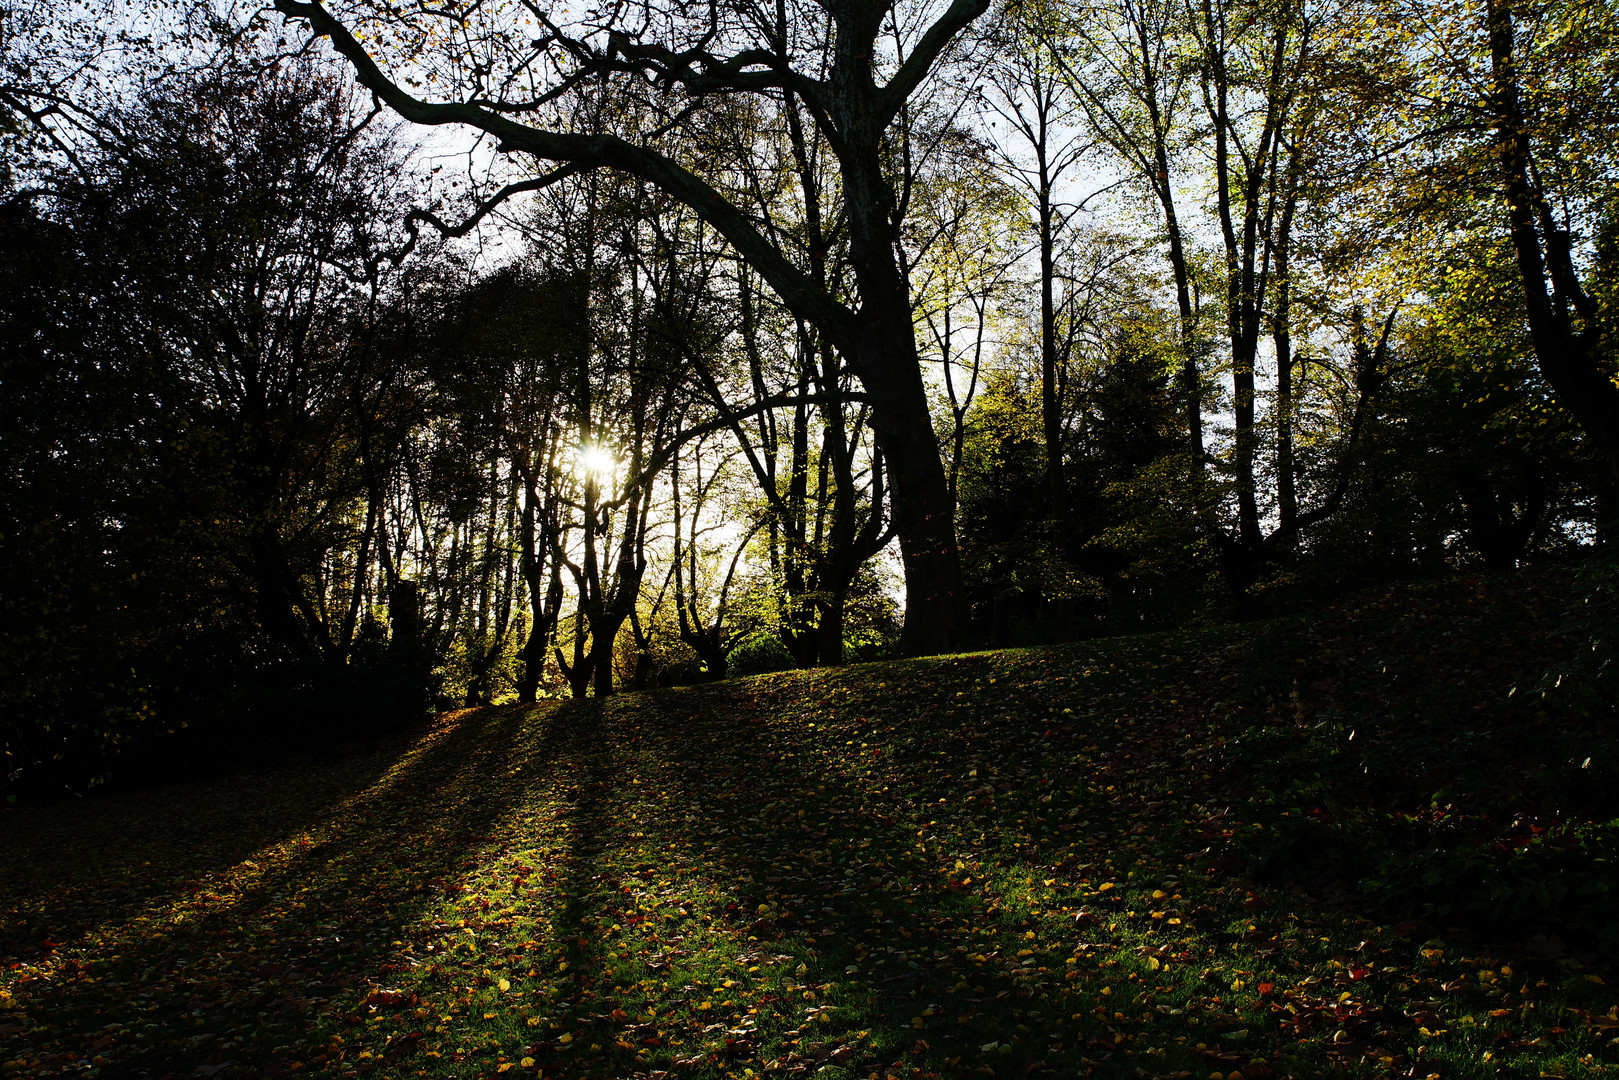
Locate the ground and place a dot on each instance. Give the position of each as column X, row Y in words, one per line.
column 1376, row 840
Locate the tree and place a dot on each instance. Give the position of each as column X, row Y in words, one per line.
column 202, row 401
column 855, row 64
column 705, row 609
column 503, row 351
column 1500, row 112
column 249, row 210
column 1027, row 91
column 1130, row 65
column 1265, row 79
column 820, row 479
column 1544, row 191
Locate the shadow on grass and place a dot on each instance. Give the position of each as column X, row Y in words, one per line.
column 922, row 922
column 885, row 870
column 248, row 963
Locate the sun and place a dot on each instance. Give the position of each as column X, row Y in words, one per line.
column 594, row 460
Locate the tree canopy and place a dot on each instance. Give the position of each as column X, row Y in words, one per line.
column 747, row 336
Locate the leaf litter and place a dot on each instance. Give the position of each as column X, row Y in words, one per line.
column 1147, row 856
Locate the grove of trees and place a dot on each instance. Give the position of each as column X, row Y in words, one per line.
column 360, row 359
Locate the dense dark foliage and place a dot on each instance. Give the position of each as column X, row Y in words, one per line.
column 202, row 350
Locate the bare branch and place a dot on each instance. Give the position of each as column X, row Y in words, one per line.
column 467, row 224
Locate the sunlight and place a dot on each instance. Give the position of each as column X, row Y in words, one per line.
column 594, row 460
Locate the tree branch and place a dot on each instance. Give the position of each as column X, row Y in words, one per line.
column 797, row 290
column 416, row 217
column 956, row 18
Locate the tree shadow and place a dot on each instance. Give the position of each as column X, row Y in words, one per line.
column 258, row 958
column 127, row 848
column 784, row 881
column 863, row 861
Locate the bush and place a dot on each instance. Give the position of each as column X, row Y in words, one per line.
column 760, row 654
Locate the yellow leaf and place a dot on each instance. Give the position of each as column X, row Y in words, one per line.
column 504, row 1066
column 505, row 985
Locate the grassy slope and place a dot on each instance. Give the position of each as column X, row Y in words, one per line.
column 1364, row 841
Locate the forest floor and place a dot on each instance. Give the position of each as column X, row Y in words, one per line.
column 1377, row 840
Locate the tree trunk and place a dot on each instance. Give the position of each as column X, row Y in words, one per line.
column 831, row 628
column 923, row 518
column 886, row 362
column 1287, row 500
column 1567, row 356
column 1050, row 405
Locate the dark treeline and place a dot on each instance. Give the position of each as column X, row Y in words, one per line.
column 1213, row 312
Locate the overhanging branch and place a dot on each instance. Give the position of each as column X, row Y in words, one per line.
column 798, row 291
column 484, row 209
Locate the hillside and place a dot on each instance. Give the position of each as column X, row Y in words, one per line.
column 1377, row 840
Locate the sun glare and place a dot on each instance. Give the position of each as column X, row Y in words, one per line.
column 595, row 461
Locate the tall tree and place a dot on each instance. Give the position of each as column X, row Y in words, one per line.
column 854, row 63
column 1040, row 148
column 1131, row 64
column 1542, row 190
column 252, row 208
column 821, row 480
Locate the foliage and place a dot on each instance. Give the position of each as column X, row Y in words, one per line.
column 760, row 654
column 1128, row 553
column 872, row 619
column 198, row 329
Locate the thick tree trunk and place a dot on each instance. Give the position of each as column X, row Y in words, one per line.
column 602, row 642
column 528, row 680
column 405, row 645
column 280, row 601
column 886, row 362
column 1567, row 355
column 923, row 518
column 831, row 629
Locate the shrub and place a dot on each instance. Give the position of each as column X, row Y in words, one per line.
column 759, row 654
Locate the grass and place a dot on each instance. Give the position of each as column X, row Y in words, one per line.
column 1376, row 841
